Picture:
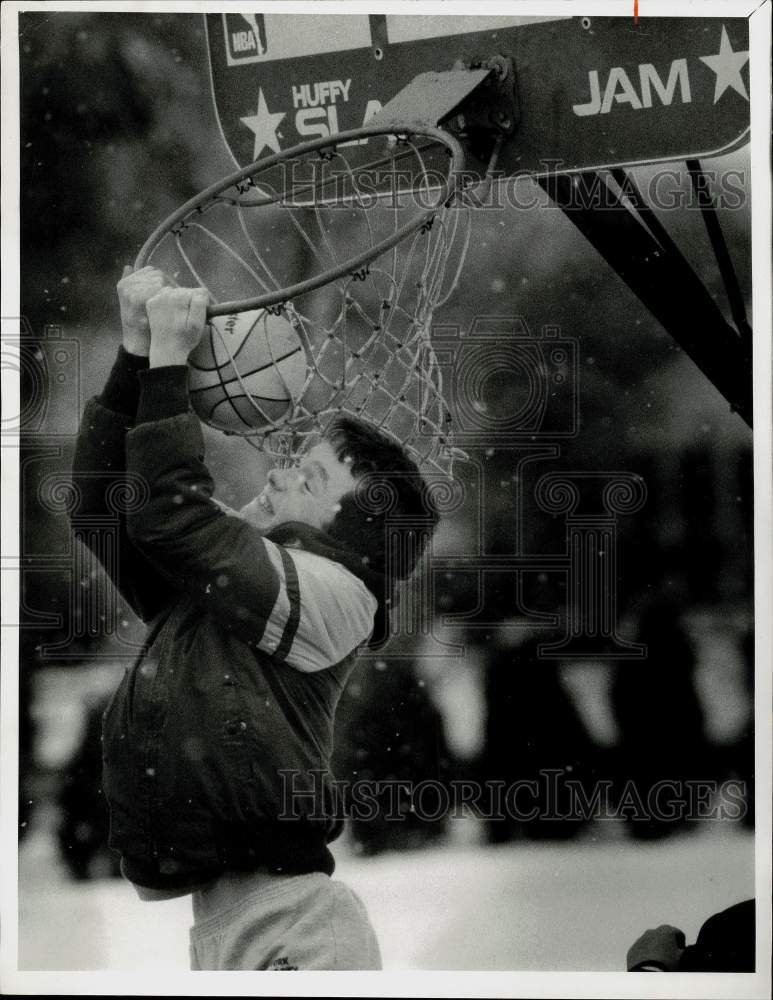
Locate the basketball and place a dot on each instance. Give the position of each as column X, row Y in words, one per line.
column 247, row 372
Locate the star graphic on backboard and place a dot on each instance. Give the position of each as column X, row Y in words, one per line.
column 727, row 65
column 264, row 124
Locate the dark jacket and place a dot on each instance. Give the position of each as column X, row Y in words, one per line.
column 725, row 943
column 207, row 736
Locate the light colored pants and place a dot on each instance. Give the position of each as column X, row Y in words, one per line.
column 252, row 920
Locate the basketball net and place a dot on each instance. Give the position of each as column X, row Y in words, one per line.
column 357, row 260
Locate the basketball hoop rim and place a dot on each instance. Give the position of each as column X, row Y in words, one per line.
column 279, row 296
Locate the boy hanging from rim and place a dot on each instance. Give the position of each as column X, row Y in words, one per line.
column 254, row 621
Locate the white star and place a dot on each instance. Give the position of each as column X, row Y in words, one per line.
column 727, row 65
column 264, row 124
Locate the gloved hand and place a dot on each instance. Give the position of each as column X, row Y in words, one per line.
column 657, row 950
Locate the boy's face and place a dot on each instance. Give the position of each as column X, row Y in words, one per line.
column 310, row 492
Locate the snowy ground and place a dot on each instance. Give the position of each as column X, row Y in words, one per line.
column 462, row 906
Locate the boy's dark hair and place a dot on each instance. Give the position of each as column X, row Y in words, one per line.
column 390, row 516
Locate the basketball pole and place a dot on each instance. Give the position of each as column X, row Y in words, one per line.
column 658, row 274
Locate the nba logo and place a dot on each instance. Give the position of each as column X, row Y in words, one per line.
column 245, row 37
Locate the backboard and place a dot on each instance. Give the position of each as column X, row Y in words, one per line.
column 584, row 92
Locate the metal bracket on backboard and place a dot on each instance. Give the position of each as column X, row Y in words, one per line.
column 490, row 107
column 475, row 103
column 430, row 98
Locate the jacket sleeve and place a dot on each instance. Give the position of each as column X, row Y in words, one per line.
column 332, row 609
column 218, row 559
column 103, row 492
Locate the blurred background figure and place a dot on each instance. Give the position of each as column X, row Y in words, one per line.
column 532, row 726
column 83, row 814
column 659, row 715
column 26, row 754
column 741, row 756
column 388, row 730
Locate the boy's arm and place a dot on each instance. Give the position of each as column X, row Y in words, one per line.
column 302, row 608
column 103, row 494
column 251, row 585
column 102, row 490
column 219, row 560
